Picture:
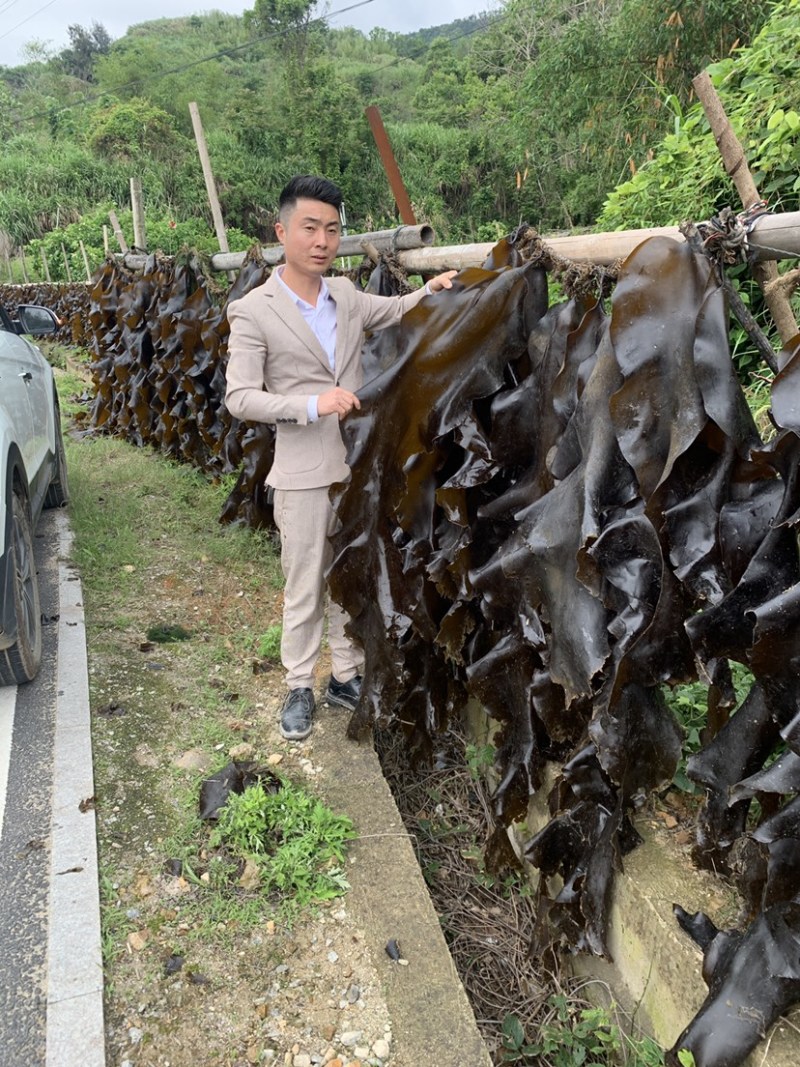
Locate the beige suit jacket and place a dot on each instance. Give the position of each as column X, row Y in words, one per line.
column 276, row 362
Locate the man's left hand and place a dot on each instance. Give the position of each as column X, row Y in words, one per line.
column 442, row 281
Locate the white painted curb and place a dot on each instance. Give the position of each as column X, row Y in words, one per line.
column 75, row 1030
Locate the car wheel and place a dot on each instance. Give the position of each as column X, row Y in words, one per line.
column 58, row 490
column 20, row 662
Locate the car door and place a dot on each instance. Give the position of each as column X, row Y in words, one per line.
column 24, row 384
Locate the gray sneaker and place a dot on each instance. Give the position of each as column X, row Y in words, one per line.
column 297, row 714
column 345, row 694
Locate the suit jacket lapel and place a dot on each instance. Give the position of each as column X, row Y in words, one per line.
column 343, row 325
column 287, row 311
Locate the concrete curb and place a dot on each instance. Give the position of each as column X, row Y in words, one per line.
column 432, row 1019
column 75, row 1028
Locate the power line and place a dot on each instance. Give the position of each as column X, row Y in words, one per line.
column 229, row 52
column 38, row 11
column 223, row 53
column 7, row 5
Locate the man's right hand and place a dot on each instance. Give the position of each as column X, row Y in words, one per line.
column 337, row 402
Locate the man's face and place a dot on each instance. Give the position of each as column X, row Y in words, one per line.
column 310, row 236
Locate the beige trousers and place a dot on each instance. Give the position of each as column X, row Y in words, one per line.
column 306, row 520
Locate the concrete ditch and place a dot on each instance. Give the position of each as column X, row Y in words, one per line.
column 655, row 971
column 432, row 1020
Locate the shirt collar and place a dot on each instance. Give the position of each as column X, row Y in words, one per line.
column 324, row 293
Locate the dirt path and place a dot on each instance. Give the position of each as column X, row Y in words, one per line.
column 196, row 975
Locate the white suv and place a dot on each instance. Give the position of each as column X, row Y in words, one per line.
column 33, row 475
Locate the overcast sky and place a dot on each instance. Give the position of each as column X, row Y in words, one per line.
column 22, row 21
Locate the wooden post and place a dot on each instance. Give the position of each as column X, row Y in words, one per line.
column 85, row 261
column 66, row 262
column 735, row 163
column 120, row 236
column 211, row 186
column 44, row 264
column 390, row 166
column 106, row 245
column 137, row 207
column 8, row 267
column 24, row 266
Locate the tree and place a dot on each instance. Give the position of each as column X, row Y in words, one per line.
column 448, row 90
column 590, row 78
column 85, row 48
column 135, row 130
column 290, row 20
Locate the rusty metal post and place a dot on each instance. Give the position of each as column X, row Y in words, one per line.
column 390, row 165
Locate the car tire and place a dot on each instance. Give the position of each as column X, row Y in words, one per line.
column 20, row 663
column 58, row 490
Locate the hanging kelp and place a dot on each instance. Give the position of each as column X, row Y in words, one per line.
column 69, row 301
column 557, row 512
column 160, row 343
column 554, row 511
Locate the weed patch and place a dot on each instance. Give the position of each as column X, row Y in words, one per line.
column 294, row 843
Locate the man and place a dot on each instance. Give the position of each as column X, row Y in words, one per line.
column 295, row 360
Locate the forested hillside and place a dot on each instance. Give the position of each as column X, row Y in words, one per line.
column 535, row 112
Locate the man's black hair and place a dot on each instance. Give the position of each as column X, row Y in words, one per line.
column 310, row 187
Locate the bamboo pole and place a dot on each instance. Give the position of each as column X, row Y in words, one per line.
column 85, row 261
column 390, row 166
column 137, row 207
column 403, row 237
column 106, row 243
column 208, row 176
column 772, row 237
column 120, row 236
column 66, row 262
column 46, row 267
column 735, row 163
column 24, row 266
column 8, row 267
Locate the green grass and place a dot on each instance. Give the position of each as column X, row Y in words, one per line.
column 269, row 644
column 758, row 394
column 130, row 507
column 115, row 924
column 71, row 373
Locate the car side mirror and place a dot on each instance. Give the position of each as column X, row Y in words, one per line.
column 36, row 320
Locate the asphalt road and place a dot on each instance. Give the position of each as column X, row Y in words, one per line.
column 50, row 963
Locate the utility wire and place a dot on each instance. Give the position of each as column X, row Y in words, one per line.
column 38, row 11
column 228, row 52
column 224, row 52
column 7, row 5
